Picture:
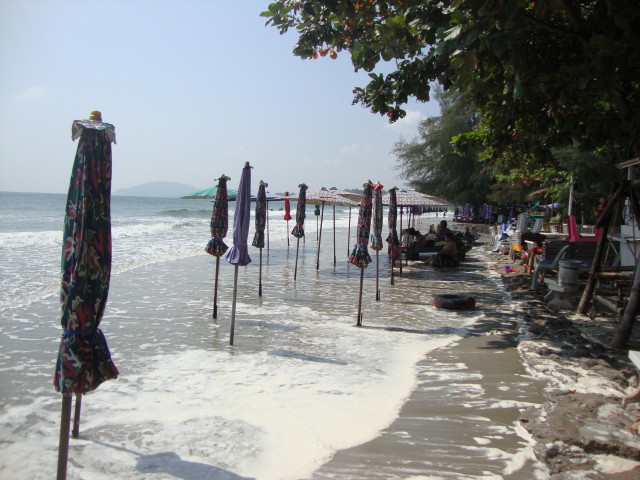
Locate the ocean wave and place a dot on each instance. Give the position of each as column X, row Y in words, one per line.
column 186, row 212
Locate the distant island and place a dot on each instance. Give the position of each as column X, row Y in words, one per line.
column 157, row 189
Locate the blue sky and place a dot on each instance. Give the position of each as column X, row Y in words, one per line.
column 194, row 88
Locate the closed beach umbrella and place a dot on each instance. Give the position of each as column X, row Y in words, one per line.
column 360, row 255
column 376, row 236
column 298, row 229
column 287, row 212
column 219, row 227
column 239, row 254
column 260, row 219
column 84, row 360
column 392, row 218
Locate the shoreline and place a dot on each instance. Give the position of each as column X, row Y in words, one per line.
column 568, row 414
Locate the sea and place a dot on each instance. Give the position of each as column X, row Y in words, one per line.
column 301, row 382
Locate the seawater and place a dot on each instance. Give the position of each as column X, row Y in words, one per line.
column 300, row 383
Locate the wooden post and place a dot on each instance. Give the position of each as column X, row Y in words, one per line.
column 233, row 305
column 377, row 275
column 359, row 322
column 215, row 290
column 75, row 432
column 63, row 445
column 260, row 276
column 295, row 270
column 320, row 237
column 603, row 222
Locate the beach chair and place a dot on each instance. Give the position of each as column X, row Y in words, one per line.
column 542, row 265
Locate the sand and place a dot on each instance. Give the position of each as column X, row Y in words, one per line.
column 545, row 373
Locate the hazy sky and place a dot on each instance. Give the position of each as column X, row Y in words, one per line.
column 194, row 88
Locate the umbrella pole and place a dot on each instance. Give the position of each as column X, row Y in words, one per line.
column 334, row 235
column 349, row 235
column 267, row 215
column 75, row 433
column 260, row 276
column 295, row 271
column 288, row 245
column 393, row 263
column 320, row 237
column 359, row 323
column 215, row 290
column 400, row 262
column 233, row 305
column 63, row 446
column 377, row 276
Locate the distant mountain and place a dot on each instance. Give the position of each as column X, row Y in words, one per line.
column 157, row 189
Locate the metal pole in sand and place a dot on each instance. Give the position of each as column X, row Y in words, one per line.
column 63, row 445
column 260, row 276
column 334, row 235
column 377, row 275
column 349, row 235
column 233, row 305
column 215, row 290
column 359, row 323
column 295, row 271
column 401, row 234
column 75, row 432
column 320, row 237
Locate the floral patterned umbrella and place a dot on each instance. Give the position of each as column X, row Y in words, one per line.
column 360, row 256
column 287, row 212
column 392, row 218
column 219, row 226
column 298, row 229
column 376, row 236
column 84, row 361
column 261, row 220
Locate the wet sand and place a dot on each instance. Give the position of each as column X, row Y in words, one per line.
column 544, row 381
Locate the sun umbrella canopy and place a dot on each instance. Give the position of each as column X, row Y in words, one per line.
column 360, row 255
column 376, row 237
column 346, row 194
column 411, row 198
column 329, row 198
column 239, row 253
column 260, row 216
column 219, row 220
column 84, row 360
column 209, row 193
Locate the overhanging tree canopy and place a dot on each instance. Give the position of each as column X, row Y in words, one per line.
column 543, row 73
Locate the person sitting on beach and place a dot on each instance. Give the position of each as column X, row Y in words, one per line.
column 418, row 239
column 406, row 239
column 442, row 231
column 448, row 256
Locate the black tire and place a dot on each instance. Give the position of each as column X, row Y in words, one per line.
column 454, row 301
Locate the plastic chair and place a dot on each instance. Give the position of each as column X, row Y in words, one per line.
column 574, row 236
column 547, row 265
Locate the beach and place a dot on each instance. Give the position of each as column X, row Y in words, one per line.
column 416, row 393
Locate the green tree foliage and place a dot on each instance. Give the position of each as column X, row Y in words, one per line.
column 543, row 73
column 432, row 164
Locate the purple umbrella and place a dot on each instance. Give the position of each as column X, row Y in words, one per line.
column 376, row 237
column 360, row 256
column 261, row 219
column 298, row 230
column 84, row 361
column 392, row 239
column 239, row 254
column 219, row 226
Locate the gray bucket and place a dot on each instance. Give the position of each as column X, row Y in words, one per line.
column 568, row 273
